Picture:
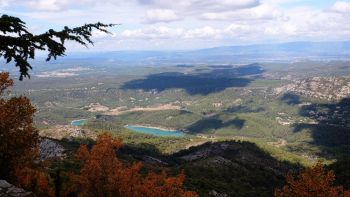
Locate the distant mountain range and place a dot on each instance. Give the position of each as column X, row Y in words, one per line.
column 283, row 52
column 260, row 53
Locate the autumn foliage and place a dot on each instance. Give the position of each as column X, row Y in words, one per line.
column 18, row 137
column 312, row 182
column 35, row 180
column 103, row 174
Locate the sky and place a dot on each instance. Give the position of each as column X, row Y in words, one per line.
column 189, row 24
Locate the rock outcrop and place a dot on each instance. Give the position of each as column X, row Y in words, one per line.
column 60, row 132
column 9, row 190
column 50, row 149
column 322, row 88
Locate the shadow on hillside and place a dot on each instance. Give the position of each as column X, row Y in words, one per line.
column 290, row 99
column 250, row 69
column 244, row 109
column 203, row 83
column 230, row 167
column 207, row 125
column 233, row 169
column 331, row 128
column 141, row 149
column 331, row 133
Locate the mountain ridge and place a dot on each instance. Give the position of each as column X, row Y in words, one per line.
column 289, row 51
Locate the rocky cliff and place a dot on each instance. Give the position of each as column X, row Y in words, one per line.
column 321, row 88
column 8, row 190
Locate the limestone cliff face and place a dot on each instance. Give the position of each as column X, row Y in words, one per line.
column 50, row 149
column 322, row 88
column 8, row 190
column 60, row 132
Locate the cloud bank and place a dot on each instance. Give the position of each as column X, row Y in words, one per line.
column 187, row 24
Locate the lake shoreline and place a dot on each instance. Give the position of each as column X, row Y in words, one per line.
column 154, row 130
column 80, row 120
column 153, row 127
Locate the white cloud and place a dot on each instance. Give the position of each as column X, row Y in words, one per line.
column 224, row 5
column 239, row 29
column 231, row 31
column 190, row 7
column 4, row 3
column 206, row 32
column 262, row 12
column 54, row 5
column 190, row 23
column 258, row 25
column 164, row 32
column 153, row 32
column 167, row 10
column 341, row 7
column 281, row 2
column 102, row 35
column 47, row 5
column 160, row 15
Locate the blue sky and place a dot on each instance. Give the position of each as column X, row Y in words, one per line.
column 189, row 24
column 320, row 4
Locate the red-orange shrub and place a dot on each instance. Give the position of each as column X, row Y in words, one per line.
column 312, row 182
column 102, row 174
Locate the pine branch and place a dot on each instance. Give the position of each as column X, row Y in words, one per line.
column 17, row 44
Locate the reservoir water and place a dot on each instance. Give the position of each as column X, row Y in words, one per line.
column 155, row 131
column 79, row 122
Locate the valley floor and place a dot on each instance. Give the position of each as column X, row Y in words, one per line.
column 295, row 114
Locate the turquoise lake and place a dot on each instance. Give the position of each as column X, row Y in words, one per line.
column 156, row 132
column 79, row 122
